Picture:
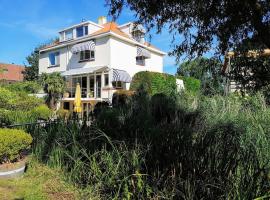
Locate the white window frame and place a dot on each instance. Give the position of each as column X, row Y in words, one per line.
column 56, row 58
column 82, row 58
column 140, row 61
column 106, row 74
column 71, row 31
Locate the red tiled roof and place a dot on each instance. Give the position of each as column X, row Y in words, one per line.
column 11, row 72
column 108, row 27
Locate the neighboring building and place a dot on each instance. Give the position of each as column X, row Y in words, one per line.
column 232, row 85
column 11, row 73
column 101, row 57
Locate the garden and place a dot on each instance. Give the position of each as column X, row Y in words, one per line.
column 153, row 143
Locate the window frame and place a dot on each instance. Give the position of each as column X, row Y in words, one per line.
column 84, row 31
column 106, row 79
column 82, row 57
column 69, row 31
column 140, row 58
column 117, row 85
column 56, row 55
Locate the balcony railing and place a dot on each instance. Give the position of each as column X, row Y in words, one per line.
column 72, row 91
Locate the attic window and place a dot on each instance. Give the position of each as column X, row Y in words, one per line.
column 138, row 35
column 82, row 31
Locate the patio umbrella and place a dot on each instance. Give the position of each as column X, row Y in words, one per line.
column 78, row 100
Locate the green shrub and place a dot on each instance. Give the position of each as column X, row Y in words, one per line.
column 154, row 82
column 10, row 117
column 12, row 100
column 191, row 84
column 12, row 143
column 63, row 113
column 42, row 112
column 121, row 97
column 25, row 86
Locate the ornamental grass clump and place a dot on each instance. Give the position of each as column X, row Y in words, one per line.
column 13, row 143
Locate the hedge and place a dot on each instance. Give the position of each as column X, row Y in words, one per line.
column 154, row 82
column 191, row 84
column 12, row 143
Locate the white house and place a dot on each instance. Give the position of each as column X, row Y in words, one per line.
column 102, row 57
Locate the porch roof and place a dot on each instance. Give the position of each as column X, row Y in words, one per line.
column 80, row 71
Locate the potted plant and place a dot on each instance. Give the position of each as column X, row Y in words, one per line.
column 14, row 146
column 90, row 94
column 66, row 95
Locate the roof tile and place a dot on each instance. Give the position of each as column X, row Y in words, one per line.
column 11, row 72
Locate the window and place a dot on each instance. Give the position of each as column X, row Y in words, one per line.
column 82, row 80
column 87, row 55
column 66, row 106
column 140, row 60
column 106, row 79
column 138, row 35
column 69, row 35
column 117, row 84
column 54, row 59
column 81, row 31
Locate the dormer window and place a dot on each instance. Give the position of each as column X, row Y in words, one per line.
column 69, row 34
column 138, row 33
column 81, row 31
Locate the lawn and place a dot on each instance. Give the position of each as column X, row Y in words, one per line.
column 39, row 182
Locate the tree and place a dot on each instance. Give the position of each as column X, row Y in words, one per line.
column 201, row 22
column 54, row 85
column 207, row 71
column 31, row 69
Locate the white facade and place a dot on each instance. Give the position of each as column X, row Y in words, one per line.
column 114, row 49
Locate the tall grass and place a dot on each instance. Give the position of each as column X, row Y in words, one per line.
column 180, row 147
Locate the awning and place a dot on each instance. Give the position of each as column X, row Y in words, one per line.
column 90, row 45
column 82, row 71
column 121, row 75
column 143, row 52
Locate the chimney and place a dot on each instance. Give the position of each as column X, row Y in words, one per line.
column 102, row 20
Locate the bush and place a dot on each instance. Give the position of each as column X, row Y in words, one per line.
column 100, row 106
column 12, row 100
column 191, row 84
column 63, row 113
column 29, row 87
column 154, row 82
column 12, row 143
column 121, row 97
column 10, row 117
column 42, row 112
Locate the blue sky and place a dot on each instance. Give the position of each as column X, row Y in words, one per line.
column 24, row 24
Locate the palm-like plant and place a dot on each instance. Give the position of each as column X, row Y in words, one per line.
column 54, row 85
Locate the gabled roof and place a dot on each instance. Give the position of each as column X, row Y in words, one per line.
column 11, row 72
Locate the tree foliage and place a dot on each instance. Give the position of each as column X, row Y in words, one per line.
column 250, row 67
column 207, row 71
column 154, row 82
column 31, row 71
column 54, row 85
column 201, row 22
